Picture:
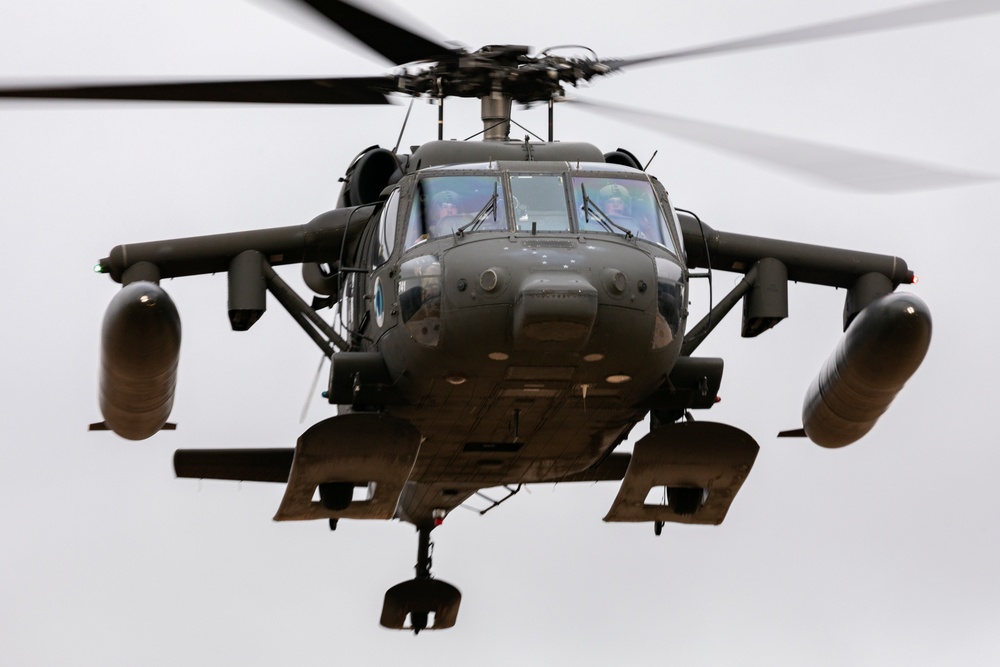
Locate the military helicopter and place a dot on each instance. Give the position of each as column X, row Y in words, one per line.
column 510, row 310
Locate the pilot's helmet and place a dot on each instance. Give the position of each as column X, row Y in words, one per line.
column 615, row 190
column 617, row 197
column 445, row 197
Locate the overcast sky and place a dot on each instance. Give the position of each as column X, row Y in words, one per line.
column 884, row 552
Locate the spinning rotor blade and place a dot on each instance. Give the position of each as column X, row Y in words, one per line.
column 841, row 167
column 357, row 90
column 399, row 45
column 388, row 39
column 933, row 12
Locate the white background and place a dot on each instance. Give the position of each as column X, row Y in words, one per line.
column 881, row 553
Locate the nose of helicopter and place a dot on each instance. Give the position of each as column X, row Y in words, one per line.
column 554, row 307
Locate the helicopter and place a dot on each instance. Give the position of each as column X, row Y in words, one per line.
column 489, row 319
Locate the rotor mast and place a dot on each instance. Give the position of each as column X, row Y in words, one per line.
column 495, row 111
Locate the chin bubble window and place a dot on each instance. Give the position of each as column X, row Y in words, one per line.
column 420, row 298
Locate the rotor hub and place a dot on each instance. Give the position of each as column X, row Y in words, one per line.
column 505, row 69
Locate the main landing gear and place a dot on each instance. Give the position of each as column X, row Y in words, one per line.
column 430, row 603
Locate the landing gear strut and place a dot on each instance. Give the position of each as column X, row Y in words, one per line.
column 421, row 596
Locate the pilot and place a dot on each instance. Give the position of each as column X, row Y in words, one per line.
column 618, row 205
column 616, row 201
column 443, row 205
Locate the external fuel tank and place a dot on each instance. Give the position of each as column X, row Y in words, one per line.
column 140, row 346
column 879, row 352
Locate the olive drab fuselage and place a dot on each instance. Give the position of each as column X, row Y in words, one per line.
column 522, row 333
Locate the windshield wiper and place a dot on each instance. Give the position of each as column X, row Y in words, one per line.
column 490, row 205
column 602, row 218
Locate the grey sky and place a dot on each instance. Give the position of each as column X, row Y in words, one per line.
column 881, row 553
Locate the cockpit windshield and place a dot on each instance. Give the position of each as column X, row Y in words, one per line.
column 539, row 202
column 568, row 202
column 447, row 204
column 619, row 206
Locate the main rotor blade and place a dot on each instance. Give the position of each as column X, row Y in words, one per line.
column 831, row 165
column 933, row 12
column 359, row 90
column 392, row 41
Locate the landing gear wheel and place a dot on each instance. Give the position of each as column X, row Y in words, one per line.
column 336, row 496
column 657, row 527
column 422, row 596
column 660, row 417
column 685, row 499
column 418, row 621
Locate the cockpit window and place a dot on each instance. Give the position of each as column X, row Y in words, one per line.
column 386, row 229
column 445, row 204
column 619, row 206
column 539, row 203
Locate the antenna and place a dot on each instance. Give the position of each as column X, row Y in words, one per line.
column 651, row 158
